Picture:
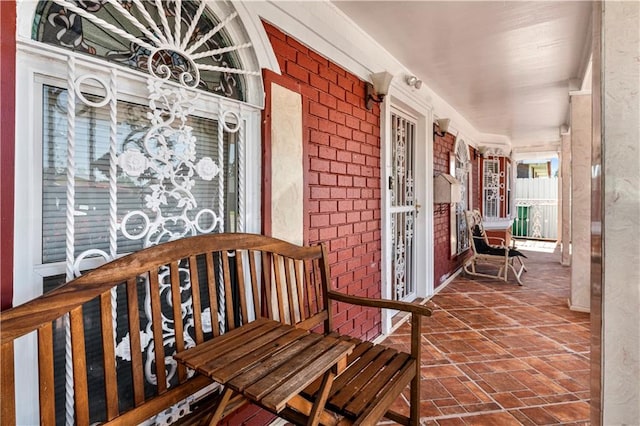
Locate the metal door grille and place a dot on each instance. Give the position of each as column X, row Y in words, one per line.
column 403, row 207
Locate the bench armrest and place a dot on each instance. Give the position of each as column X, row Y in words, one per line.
column 380, row 303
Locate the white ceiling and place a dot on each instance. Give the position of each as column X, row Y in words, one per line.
column 506, row 66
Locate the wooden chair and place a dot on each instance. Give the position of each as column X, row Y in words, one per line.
column 483, row 252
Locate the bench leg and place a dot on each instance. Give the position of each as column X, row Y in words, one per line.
column 321, row 398
column 416, row 353
column 226, row 396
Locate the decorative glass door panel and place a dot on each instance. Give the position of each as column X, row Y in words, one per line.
column 403, row 209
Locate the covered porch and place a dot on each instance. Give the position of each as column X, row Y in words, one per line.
column 498, row 353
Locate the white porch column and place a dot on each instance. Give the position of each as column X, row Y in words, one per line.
column 580, row 202
column 621, row 213
column 565, row 197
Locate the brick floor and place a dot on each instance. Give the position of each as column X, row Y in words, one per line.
column 496, row 353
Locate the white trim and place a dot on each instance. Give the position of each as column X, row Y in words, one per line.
column 404, row 99
column 331, row 33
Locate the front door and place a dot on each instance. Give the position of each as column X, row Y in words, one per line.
column 403, row 208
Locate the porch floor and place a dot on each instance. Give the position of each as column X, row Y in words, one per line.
column 495, row 353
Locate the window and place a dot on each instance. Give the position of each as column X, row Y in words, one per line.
column 461, row 168
column 138, row 129
column 491, row 188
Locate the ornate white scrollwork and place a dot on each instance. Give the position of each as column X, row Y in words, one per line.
column 183, row 49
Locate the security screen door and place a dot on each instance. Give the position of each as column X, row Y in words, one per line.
column 404, row 206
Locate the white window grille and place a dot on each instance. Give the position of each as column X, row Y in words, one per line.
column 491, row 188
column 139, row 133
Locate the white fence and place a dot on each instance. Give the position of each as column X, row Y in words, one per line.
column 536, row 203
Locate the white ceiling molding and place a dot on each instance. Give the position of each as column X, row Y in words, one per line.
column 330, row 32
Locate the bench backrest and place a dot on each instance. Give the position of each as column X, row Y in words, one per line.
column 136, row 299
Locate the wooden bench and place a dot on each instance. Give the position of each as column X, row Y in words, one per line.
column 136, row 298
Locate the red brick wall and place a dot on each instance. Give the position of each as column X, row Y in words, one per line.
column 342, row 143
column 444, row 263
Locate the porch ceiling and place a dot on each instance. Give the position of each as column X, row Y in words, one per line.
column 506, row 66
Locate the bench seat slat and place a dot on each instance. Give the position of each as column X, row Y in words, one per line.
column 242, row 348
column 362, row 376
column 323, row 361
column 376, row 384
column 257, row 371
column 265, row 385
column 244, row 356
column 229, row 340
column 227, row 372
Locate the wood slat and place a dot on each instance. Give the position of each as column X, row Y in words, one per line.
column 299, row 282
column 178, row 326
column 241, row 286
column 416, row 354
column 295, row 366
column 227, row 372
column 288, row 285
column 356, row 367
column 228, row 294
column 156, row 318
column 161, row 402
column 258, row 371
column 137, row 367
column 379, row 407
column 361, row 347
column 222, row 344
column 257, row 311
column 195, row 298
column 364, row 374
column 314, row 362
column 108, row 356
column 46, row 377
column 241, row 349
column 315, row 277
column 277, row 263
column 383, row 378
column 7, row 385
column 266, row 274
column 28, row 317
column 308, row 288
column 80, row 386
column 213, row 294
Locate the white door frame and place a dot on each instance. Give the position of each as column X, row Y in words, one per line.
column 407, row 102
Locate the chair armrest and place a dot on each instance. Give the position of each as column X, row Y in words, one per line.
column 379, row 303
column 502, row 241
